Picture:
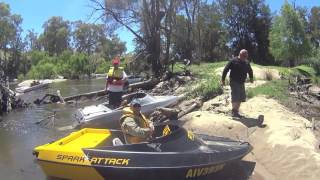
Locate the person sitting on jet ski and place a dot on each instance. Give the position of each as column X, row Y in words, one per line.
column 135, row 126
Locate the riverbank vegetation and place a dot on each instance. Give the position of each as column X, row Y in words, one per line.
column 165, row 32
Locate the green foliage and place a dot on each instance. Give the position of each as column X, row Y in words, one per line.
column 316, row 66
column 305, row 70
column 288, row 39
column 56, row 35
column 277, row 89
column 36, row 56
column 207, row 89
column 207, row 69
column 316, row 80
column 248, row 23
column 314, row 61
column 208, row 84
column 43, row 70
column 103, row 67
column 314, row 26
column 21, row 77
column 11, row 44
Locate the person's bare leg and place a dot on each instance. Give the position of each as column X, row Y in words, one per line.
column 235, row 106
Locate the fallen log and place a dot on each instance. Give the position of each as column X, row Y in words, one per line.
column 195, row 105
column 146, row 85
column 173, row 114
column 7, row 90
column 149, row 84
column 86, row 95
column 50, row 98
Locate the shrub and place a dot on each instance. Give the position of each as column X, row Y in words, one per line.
column 42, row 71
column 21, row 77
column 316, row 66
column 207, row 89
column 103, row 67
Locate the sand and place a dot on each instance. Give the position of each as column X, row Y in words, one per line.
column 284, row 149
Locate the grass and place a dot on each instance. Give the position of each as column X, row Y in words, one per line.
column 204, row 70
column 298, row 70
column 316, row 80
column 208, row 86
column 277, row 89
column 206, row 89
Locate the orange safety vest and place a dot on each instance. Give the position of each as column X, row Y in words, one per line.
column 115, row 75
column 140, row 119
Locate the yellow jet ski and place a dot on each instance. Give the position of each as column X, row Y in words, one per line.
column 174, row 153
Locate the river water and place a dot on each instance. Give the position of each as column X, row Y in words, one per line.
column 19, row 132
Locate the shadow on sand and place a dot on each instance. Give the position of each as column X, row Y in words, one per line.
column 251, row 122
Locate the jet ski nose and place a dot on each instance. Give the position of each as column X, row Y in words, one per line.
column 35, row 153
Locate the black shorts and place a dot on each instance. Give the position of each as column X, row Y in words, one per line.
column 238, row 92
column 115, row 99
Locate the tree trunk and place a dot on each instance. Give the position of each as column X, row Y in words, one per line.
column 155, row 42
column 291, row 63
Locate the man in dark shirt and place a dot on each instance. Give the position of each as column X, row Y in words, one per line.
column 239, row 68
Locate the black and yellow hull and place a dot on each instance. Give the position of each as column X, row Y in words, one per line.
column 69, row 171
column 88, row 154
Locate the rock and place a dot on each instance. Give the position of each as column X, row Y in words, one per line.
column 219, row 101
column 205, row 122
column 314, row 90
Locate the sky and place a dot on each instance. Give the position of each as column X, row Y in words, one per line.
column 36, row 12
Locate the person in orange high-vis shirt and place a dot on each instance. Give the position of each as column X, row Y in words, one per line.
column 116, row 78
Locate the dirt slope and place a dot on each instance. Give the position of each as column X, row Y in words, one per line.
column 284, row 149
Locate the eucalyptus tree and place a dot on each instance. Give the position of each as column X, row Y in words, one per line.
column 212, row 37
column 190, row 10
column 314, row 26
column 289, row 42
column 56, row 36
column 143, row 18
column 17, row 46
column 32, row 41
column 6, row 34
column 87, row 37
column 11, row 44
column 248, row 23
column 168, row 25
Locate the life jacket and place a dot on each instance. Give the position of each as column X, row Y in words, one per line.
column 140, row 119
column 115, row 75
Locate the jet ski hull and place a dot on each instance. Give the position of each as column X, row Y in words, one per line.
column 100, row 116
column 71, row 171
column 90, row 154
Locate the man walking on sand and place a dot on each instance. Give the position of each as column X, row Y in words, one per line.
column 239, row 68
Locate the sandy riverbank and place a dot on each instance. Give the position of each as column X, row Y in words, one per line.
column 283, row 149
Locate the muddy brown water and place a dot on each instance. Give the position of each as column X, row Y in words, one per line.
column 20, row 133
